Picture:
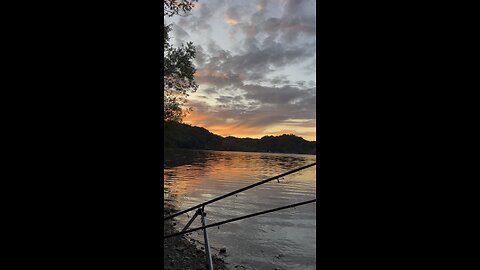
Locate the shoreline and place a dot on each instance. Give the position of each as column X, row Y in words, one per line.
column 181, row 253
column 237, row 151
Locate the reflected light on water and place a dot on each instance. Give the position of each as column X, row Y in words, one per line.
column 193, row 177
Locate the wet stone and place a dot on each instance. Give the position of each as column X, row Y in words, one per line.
column 180, row 253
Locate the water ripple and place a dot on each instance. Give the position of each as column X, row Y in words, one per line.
column 193, row 177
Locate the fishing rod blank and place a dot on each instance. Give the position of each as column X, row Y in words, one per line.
column 237, row 191
column 239, row 218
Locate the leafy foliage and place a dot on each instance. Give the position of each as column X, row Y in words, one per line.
column 178, row 69
column 179, row 135
column 172, row 7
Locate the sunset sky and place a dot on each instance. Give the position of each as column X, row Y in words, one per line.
column 255, row 66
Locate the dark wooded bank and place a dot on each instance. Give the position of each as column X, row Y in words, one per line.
column 177, row 135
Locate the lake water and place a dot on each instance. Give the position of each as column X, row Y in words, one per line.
column 285, row 239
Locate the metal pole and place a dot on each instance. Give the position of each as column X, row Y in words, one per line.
column 238, row 191
column 207, row 245
column 240, row 218
column 191, row 220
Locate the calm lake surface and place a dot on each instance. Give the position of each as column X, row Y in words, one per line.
column 285, row 239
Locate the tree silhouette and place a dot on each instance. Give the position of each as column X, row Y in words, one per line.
column 178, row 69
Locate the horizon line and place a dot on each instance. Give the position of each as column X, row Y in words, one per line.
column 241, row 137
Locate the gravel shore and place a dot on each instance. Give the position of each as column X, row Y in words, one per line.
column 181, row 253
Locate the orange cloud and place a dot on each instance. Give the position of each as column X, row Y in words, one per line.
column 232, row 128
column 206, row 73
column 230, row 21
column 228, row 128
column 195, row 117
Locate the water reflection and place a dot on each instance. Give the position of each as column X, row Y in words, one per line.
column 176, row 157
column 192, row 177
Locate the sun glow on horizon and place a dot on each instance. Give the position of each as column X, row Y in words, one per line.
column 230, row 128
column 255, row 67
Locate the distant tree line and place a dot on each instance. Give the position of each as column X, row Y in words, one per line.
column 178, row 135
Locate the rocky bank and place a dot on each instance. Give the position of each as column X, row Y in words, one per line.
column 181, row 253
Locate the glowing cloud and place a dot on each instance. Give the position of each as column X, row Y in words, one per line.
column 230, row 21
column 255, row 65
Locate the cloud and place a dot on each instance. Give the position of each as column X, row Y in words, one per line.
column 277, row 95
column 197, row 21
column 229, row 99
column 269, row 43
column 180, row 34
column 256, row 63
column 231, row 21
column 301, row 122
column 210, row 91
column 200, row 56
column 232, row 16
column 250, row 114
column 217, row 77
column 226, row 124
column 252, row 59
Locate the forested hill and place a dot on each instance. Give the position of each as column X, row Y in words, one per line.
column 178, row 135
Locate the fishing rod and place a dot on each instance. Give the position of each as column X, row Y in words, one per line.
column 239, row 218
column 238, row 191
